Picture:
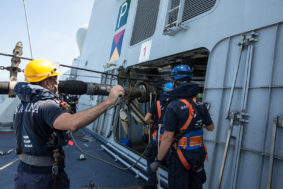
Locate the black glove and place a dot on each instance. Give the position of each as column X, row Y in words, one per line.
column 154, row 165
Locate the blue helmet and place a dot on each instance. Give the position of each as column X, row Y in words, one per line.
column 168, row 87
column 180, row 72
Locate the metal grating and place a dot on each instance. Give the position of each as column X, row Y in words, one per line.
column 173, row 13
column 175, row 3
column 145, row 21
column 193, row 8
column 173, row 16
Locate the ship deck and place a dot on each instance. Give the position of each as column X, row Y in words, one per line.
column 80, row 172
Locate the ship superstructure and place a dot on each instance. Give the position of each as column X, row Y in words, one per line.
column 233, row 48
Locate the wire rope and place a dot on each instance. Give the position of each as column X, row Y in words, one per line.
column 95, row 71
column 82, row 76
column 27, row 23
column 104, row 161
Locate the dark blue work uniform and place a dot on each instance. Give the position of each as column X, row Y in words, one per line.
column 33, row 121
column 151, row 152
column 177, row 113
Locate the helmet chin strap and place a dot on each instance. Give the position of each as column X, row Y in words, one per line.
column 56, row 91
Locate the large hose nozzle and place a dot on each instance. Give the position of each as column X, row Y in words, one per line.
column 74, row 87
column 141, row 91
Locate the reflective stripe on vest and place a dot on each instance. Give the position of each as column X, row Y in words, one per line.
column 155, row 136
column 192, row 140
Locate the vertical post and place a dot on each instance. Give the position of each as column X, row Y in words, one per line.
column 15, row 61
column 271, row 155
column 249, row 42
column 243, row 109
column 232, row 117
column 241, row 44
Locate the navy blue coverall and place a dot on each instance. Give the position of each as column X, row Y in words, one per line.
column 152, row 148
column 33, row 121
column 175, row 117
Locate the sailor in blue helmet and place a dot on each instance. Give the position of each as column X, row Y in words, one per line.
column 184, row 120
column 155, row 117
column 41, row 125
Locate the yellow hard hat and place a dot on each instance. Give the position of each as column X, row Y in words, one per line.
column 39, row 69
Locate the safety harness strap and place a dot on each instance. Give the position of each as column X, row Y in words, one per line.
column 158, row 109
column 157, row 135
column 182, row 158
column 184, row 128
column 191, row 113
column 205, row 148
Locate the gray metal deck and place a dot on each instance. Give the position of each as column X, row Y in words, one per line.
column 80, row 172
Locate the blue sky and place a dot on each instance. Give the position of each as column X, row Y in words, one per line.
column 53, row 25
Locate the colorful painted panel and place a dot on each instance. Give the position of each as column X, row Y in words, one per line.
column 117, row 46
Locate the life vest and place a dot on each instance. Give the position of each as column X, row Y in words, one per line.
column 189, row 139
column 155, row 136
column 28, row 140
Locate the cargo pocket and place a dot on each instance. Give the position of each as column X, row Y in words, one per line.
column 16, row 178
column 195, row 157
column 200, row 172
column 17, row 182
column 172, row 170
column 64, row 180
column 42, row 181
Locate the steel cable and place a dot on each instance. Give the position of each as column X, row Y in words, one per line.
column 104, row 161
column 26, row 14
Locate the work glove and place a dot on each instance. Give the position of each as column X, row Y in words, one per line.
column 154, row 165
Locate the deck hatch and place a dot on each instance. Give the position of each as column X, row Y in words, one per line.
column 145, row 20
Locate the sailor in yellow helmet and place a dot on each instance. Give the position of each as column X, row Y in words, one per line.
column 41, row 125
column 38, row 70
column 41, row 71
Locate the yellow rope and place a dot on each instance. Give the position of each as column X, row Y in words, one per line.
column 7, row 165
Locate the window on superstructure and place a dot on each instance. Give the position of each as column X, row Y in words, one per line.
column 180, row 11
column 145, row 20
column 173, row 13
column 193, row 8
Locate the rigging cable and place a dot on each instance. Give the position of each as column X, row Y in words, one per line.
column 94, row 71
column 10, row 55
column 9, row 164
column 105, row 73
column 88, row 70
column 73, row 75
column 26, row 14
column 104, row 161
